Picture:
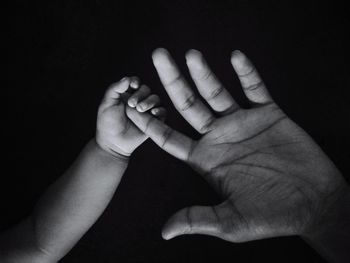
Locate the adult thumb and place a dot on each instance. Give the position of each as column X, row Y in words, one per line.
column 193, row 220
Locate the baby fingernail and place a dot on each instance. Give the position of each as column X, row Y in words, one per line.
column 140, row 107
column 134, row 85
column 132, row 103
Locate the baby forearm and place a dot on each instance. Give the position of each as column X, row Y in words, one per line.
column 74, row 202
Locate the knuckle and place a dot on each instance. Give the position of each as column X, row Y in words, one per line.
column 246, row 71
column 231, row 109
column 174, row 81
column 255, row 86
column 205, row 75
column 215, row 92
column 207, row 125
column 112, row 88
column 188, row 102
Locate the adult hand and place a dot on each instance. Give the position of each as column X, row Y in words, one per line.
column 273, row 178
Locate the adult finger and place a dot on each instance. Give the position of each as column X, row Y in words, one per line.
column 165, row 137
column 253, row 86
column 193, row 220
column 183, row 98
column 148, row 103
column 139, row 95
column 208, row 84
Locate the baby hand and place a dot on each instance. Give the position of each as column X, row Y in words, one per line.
column 116, row 133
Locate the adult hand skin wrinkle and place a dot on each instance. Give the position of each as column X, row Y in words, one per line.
column 273, row 178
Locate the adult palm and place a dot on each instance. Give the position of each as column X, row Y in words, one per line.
column 273, row 178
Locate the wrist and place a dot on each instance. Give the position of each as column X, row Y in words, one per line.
column 335, row 212
column 330, row 234
column 108, row 152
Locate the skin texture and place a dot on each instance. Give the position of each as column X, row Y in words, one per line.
column 73, row 203
column 115, row 132
column 273, row 178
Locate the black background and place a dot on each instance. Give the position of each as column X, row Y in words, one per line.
column 63, row 54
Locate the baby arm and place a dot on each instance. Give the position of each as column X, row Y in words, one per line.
column 75, row 201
